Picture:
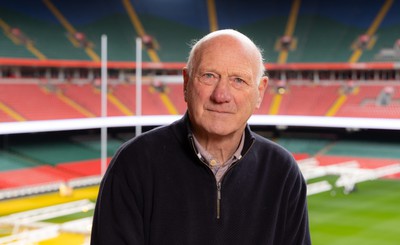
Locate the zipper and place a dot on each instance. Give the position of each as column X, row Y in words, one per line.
column 219, row 184
column 219, row 200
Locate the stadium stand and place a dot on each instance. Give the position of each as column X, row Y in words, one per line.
column 83, row 100
column 48, row 159
column 53, row 28
column 87, row 97
column 316, row 105
column 12, row 161
column 6, row 114
column 365, row 103
column 32, row 101
column 318, row 31
column 324, row 32
column 328, row 35
column 47, row 38
column 77, row 157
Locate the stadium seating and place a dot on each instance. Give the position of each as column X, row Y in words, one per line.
column 32, row 101
column 312, row 100
column 88, row 97
column 39, row 102
column 324, row 31
column 61, row 160
column 48, row 159
column 364, row 103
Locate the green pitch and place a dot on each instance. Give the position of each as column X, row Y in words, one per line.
column 368, row 216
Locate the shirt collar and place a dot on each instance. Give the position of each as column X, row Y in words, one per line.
column 204, row 154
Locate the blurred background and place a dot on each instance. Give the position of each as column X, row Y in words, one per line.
column 333, row 100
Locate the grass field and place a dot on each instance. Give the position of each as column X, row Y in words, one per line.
column 370, row 215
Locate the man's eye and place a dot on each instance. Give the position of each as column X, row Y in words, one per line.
column 238, row 80
column 209, row 76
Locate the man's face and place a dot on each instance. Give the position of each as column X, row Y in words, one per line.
column 222, row 92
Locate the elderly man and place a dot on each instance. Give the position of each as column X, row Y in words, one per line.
column 207, row 178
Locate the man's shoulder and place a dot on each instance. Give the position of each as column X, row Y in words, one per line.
column 270, row 148
column 149, row 137
column 154, row 137
column 268, row 143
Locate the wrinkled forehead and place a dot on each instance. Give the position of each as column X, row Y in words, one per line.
column 231, row 41
column 229, row 52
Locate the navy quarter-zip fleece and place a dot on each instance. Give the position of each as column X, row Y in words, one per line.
column 157, row 191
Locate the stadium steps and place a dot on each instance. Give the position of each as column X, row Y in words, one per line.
column 160, row 29
column 118, row 104
column 266, row 103
column 71, row 30
column 372, row 29
column 47, row 104
column 126, row 94
column 212, row 15
column 353, row 107
column 5, row 117
column 121, row 40
column 152, row 52
column 290, row 27
column 137, row 24
column 73, row 104
column 22, row 39
column 47, row 38
column 316, row 44
column 88, row 97
column 151, row 101
column 165, row 98
column 315, row 100
column 387, row 35
column 8, row 114
column 340, row 101
column 121, row 44
column 336, row 105
column 327, row 37
column 154, row 105
column 9, row 45
column 276, row 103
column 175, row 94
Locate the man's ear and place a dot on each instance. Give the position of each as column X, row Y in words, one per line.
column 262, row 86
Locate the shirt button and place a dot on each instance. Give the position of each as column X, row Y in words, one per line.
column 213, row 162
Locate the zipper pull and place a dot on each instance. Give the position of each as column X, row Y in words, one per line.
column 218, row 200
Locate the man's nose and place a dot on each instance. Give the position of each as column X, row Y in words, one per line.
column 222, row 91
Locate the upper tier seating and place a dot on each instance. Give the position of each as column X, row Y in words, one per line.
column 323, row 31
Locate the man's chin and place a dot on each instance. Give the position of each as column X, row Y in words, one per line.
column 220, row 129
